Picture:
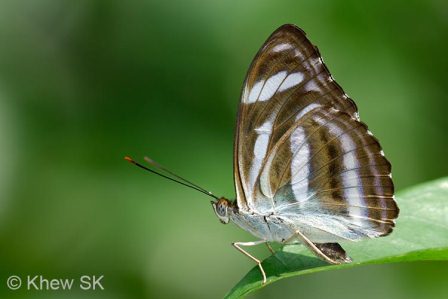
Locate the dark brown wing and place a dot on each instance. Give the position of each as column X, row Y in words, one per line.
column 286, row 90
column 328, row 165
column 285, row 77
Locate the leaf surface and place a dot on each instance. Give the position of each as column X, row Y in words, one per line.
column 421, row 233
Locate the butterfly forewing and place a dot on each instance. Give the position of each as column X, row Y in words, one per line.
column 300, row 147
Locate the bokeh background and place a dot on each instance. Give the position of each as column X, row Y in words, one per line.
column 83, row 83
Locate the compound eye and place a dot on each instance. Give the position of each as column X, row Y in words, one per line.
column 221, row 210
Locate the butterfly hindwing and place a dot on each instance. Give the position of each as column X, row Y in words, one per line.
column 328, row 165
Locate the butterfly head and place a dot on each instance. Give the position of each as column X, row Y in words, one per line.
column 222, row 208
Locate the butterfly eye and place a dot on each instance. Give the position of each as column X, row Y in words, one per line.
column 221, row 211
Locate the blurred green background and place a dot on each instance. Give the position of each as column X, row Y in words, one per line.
column 83, row 83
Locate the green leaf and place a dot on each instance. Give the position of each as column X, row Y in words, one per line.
column 421, row 233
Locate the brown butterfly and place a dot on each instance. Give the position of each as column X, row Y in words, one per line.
column 306, row 169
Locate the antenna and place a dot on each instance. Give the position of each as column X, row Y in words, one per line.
column 173, row 177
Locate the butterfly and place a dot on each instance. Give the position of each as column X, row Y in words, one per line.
column 306, row 169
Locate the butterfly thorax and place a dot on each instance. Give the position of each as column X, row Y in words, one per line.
column 266, row 227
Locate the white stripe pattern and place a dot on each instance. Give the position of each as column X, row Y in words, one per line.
column 354, row 195
column 282, row 47
column 271, row 86
column 298, row 140
column 292, row 80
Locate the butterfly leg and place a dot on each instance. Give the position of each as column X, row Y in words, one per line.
column 315, row 249
column 270, row 247
column 238, row 246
